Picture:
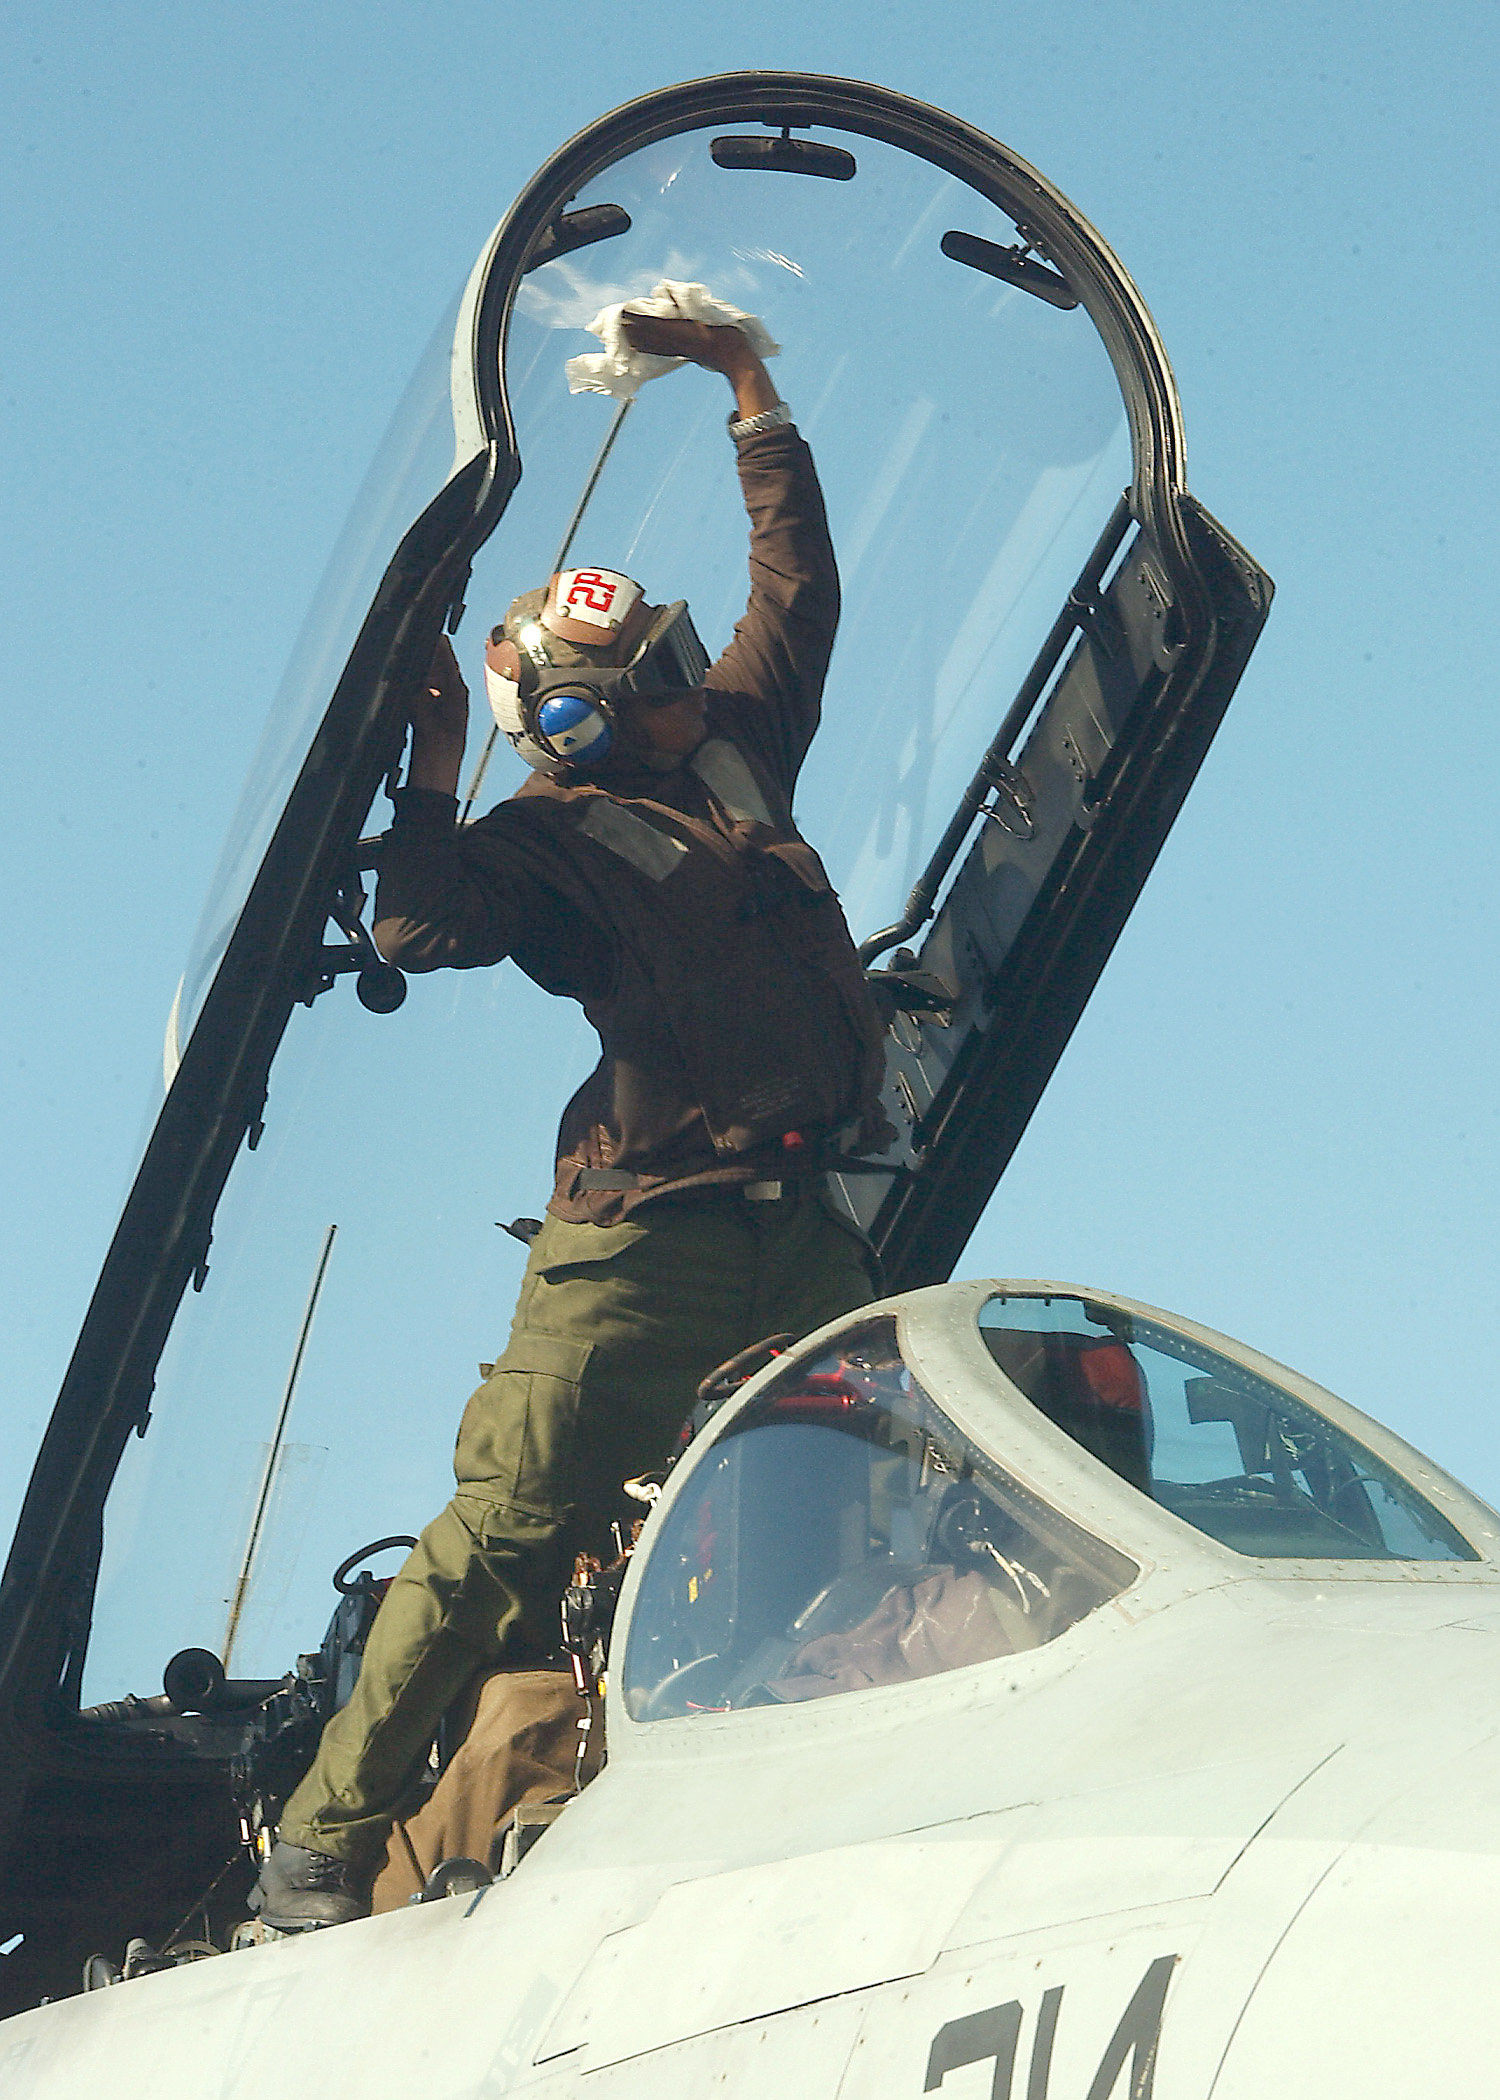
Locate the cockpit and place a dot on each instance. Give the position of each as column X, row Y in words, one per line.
column 846, row 1533
column 1228, row 1451
column 843, row 1532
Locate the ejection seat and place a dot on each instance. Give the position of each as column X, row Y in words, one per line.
column 1092, row 1386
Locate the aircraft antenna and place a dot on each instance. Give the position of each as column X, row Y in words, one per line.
column 263, row 1495
column 616, row 425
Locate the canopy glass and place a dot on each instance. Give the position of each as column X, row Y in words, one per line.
column 412, row 464
column 844, row 1534
column 972, row 443
column 1242, row 1459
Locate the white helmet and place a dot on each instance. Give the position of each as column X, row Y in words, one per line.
column 555, row 668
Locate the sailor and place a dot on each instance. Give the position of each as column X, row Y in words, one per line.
column 650, row 869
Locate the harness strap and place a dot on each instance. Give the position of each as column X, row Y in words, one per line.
column 616, row 1178
column 656, row 853
column 725, row 774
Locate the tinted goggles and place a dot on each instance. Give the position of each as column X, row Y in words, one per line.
column 670, row 662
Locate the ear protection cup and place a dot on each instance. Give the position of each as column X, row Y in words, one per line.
column 575, row 728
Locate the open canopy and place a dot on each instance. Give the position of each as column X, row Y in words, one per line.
column 1030, row 667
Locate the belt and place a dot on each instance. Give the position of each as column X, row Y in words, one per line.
column 590, row 1178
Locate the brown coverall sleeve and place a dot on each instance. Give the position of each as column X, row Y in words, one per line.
column 772, row 673
column 451, row 899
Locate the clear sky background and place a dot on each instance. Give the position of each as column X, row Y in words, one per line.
column 228, row 233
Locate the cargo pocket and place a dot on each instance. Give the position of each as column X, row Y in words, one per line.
column 561, row 1247
column 516, row 1442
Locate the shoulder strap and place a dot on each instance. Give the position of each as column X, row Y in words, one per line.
column 655, row 853
column 726, row 774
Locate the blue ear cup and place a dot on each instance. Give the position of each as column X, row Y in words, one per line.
column 575, row 730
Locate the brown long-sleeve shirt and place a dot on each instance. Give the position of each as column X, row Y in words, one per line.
column 711, row 956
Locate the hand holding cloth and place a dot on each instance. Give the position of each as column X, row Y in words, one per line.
column 621, row 371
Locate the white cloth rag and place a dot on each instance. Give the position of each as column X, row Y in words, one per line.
column 621, row 371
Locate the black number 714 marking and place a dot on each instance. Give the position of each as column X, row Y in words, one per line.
column 996, row 2031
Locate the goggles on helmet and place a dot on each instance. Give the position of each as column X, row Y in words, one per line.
column 558, row 668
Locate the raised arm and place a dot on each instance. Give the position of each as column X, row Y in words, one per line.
column 439, row 725
column 779, row 654
column 426, row 915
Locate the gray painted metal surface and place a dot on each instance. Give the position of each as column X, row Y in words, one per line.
column 1233, row 1833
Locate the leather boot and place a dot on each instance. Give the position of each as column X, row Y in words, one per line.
column 300, row 1889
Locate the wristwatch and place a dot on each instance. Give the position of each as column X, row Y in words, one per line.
column 768, row 419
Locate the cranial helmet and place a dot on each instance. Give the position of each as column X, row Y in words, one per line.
column 564, row 656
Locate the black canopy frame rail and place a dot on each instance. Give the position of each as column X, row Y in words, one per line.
column 219, row 1090
column 1109, row 759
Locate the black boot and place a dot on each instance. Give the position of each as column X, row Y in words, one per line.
column 299, row 1889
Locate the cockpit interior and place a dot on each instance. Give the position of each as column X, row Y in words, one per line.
column 843, row 1533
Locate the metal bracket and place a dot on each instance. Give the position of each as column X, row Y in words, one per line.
column 1167, row 647
column 1087, row 611
column 379, row 985
column 1014, row 803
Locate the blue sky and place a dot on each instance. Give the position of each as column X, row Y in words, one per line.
column 228, row 235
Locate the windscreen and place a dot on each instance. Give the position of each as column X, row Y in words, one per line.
column 844, row 1534
column 1239, row 1458
column 971, row 443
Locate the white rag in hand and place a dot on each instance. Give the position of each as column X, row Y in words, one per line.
column 621, row 371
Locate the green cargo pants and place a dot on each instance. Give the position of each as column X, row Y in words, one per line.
column 614, row 1328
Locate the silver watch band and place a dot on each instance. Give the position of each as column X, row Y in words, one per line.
column 768, row 419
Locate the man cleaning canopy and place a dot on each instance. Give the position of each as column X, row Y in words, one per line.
column 649, row 868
